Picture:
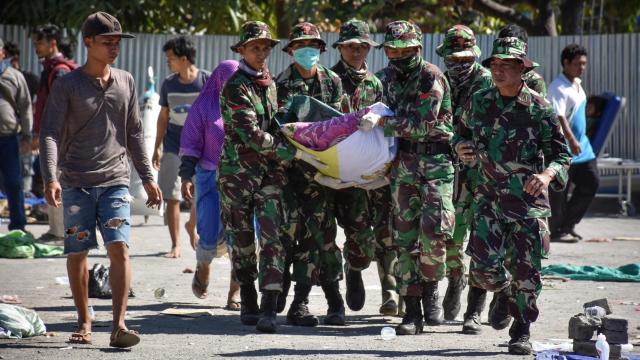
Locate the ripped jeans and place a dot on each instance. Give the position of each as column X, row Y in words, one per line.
column 84, row 208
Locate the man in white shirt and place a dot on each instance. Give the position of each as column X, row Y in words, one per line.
column 569, row 101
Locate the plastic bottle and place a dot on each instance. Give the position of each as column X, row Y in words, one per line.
column 595, row 311
column 602, row 346
column 92, row 313
column 387, row 333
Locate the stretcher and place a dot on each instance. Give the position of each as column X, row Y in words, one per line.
column 623, row 169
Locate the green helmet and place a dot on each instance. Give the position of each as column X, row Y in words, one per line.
column 510, row 48
column 354, row 31
column 402, row 34
column 459, row 41
column 305, row 31
column 254, row 30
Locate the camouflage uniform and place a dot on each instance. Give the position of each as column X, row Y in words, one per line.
column 535, row 82
column 514, row 138
column 251, row 172
column 422, row 174
column 357, row 210
column 316, row 257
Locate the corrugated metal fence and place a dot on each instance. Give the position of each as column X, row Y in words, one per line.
column 614, row 65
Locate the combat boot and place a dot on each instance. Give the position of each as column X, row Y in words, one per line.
column 433, row 315
column 249, row 311
column 335, row 312
column 476, row 298
column 412, row 320
column 388, row 282
column 355, row 290
column 519, row 343
column 282, row 296
column 298, row 314
column 499, row 317
column 451, row 302
column 268, row 304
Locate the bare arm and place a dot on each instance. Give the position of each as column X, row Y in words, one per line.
column 163, row 122
column 574, row 145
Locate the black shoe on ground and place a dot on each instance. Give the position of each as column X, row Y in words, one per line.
column 475, row 304
column 433, row 314
column 355, row 290
column 412, row 320
column 451, row 302
column 249, row 311
column 282, row 296
column 499, row 317
column 335, row 312
column 268, row 322
column 519, row 343
column 298, row 314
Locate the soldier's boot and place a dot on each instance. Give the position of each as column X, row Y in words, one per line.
column 298, row 314
column 282, row 296
column 355, row 290
column 268, row 305
column 519, row 343
column 249, row 311
column 499, row 317
column 433, row 314
column 412, row 320
column 476, row 298
column 388, row 282
column 451, row 301
column 401, row 307
column 335, row 312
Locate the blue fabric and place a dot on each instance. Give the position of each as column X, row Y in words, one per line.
column 579, row 129
column 208, row 221
column 108, row 207
column 171, row 142
column 11, row 168
column 606, row 122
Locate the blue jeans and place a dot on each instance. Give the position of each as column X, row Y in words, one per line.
column 84, row 208
column 208, row 221
column 11, row 168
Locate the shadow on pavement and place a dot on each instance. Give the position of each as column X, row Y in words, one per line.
column 463, row 353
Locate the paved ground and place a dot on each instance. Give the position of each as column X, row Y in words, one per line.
column 222, row 335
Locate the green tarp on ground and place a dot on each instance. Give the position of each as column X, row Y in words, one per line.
column 17, row 244
column 625, row 273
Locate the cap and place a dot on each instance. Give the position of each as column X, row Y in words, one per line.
column 254, row 30
column 354, row 31
column 101, row 23
column 459, row 41
column 510, row 48
column 402, row 34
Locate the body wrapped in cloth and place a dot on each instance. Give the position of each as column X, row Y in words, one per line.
column 352, row 156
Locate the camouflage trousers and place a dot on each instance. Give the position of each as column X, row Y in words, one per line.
column 315, row 256
column 463, row 201
column 244, row 194
column 423, row 219
column 508, row 254
column 352, row 214
column 380, row 215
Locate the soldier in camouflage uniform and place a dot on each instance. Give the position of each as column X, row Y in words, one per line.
column 466, row 76
column 533, row 80
column 357, row 209
column 511, row 132
column 251, row 175
column 316, row 257
column 422, row 174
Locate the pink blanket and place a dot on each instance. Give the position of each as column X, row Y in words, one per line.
column 324, row 134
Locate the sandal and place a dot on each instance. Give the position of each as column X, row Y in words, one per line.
column 198, row 287
column 124, row 338
column 232, row 305
column 80, row 338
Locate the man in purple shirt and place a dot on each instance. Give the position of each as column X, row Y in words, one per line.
column 90, row 126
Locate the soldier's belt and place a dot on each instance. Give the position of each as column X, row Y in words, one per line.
column 423, row 148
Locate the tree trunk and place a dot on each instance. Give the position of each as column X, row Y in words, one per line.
column 544, row 24
column 283, row 26
column 571, row 17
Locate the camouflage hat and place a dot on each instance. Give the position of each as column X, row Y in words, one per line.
column 402, row 34
column 510, row 48
column 459, row 41
column 354, row 31
column 254, row 30
column 305, row 31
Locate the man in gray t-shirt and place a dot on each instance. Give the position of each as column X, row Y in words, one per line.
column 179, row 90
column 90, row 126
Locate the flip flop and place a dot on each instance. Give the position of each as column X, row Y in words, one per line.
column 124, row 338
column 232, row 305
column 198, row 287
column 80, row 338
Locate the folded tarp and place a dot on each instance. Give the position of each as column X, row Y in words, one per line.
column 626, row 273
